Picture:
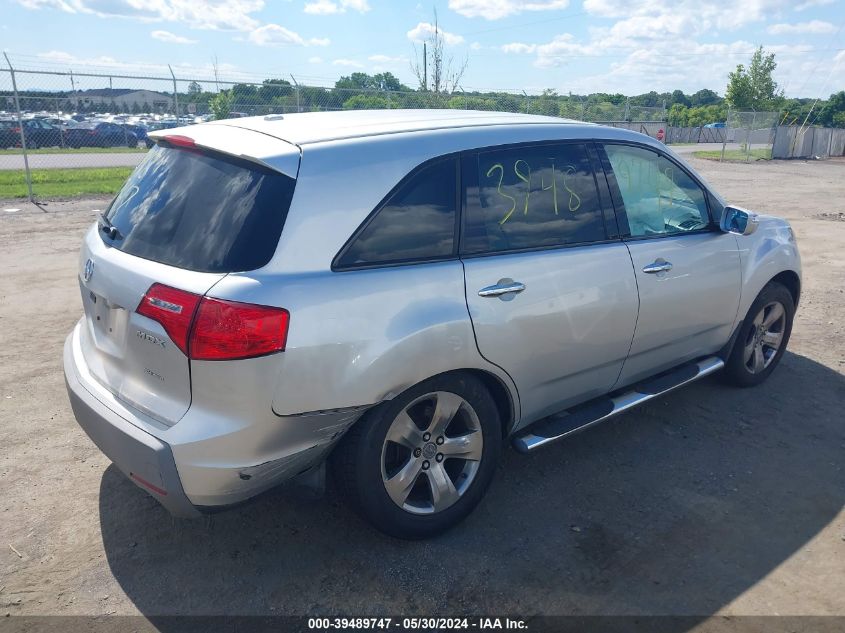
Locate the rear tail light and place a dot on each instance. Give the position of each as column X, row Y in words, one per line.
column 173, row 308
column 214, row 329
column 179, row 140
column 224, row 330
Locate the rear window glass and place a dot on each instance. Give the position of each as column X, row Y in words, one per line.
column 201, row 211
column 417, row 223
column 531, row 197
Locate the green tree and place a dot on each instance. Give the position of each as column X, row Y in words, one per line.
column 221, row 104
column 704, row 96
column 678, row 96
column 363, row 81
column 833, row 112
column 546, row 103
column 366, row 102
column 194, row 89
column 271, row 89
column 754, row 88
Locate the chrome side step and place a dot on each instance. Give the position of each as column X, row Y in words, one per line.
column 571, row 421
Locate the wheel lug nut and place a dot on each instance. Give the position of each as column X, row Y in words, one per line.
column 440, row 440
column 439, row 457
column 417, row 452
column 426, row 436
column 426, row 465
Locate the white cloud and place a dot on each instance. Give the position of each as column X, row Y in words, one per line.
column 705, row 16
column 423, row 32
column 808, row 4
column 315, row 60
column 171, row 38
column 277, row 35
column 347, row 63
column 106, row 64
column 198, row 14
column 332, row 7
column 519, row 47
column 496, row 9
column 813, row 26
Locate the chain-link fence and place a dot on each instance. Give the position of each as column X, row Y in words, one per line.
column 752, row 132
column 66, row 132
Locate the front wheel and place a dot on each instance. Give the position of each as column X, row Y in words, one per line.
column 763, row 337
column 418, row 464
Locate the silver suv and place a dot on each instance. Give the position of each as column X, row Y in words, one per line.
column 399, row 293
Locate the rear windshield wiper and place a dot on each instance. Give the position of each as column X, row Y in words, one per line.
column 108, row 228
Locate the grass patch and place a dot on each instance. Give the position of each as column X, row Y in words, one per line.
column 79, row 150
column 735, row 154
column 60, row 183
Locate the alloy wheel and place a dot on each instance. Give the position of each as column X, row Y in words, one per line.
column 431, row 453
column 765, row 337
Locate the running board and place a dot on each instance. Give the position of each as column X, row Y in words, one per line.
column 571, row 421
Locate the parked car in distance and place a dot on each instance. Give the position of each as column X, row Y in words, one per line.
column 397, row 294
column 37, row 133
column 99, row 134
column 139, row 131
column 719, row 124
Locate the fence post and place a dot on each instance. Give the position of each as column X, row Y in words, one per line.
column 175, row 93
column 748, row 138
column 20, row 127
column 296, row 88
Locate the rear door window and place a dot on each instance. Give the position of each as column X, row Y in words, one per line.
column 201, row 211
column 531, row 197
column 416, row 223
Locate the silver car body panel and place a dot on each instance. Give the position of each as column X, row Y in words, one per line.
column 562, row 341
column 685, row 312
column 360, row 337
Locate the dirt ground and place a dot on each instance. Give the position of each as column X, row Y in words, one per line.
column 710, row 500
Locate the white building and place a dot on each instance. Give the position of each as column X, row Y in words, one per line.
column 123, row 98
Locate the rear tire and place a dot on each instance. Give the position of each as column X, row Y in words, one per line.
column 417, row 465
column 762, row 338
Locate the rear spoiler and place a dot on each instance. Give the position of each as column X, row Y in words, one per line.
column 255, row 147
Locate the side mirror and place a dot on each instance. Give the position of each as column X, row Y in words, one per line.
column 739, row 221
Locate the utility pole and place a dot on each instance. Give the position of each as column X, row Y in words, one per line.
column 425, row 67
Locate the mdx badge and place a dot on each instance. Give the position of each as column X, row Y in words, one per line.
column 149, row 338
column 88, row 271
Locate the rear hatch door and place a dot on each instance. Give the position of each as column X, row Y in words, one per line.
column 187, row 216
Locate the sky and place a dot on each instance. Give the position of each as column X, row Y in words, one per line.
column 578, row 46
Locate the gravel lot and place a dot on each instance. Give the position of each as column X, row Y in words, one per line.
column 710, row 500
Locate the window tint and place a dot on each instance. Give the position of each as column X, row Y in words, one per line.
column 660, row 198
column 416, row 223
column 531, row 197
column 201, row 211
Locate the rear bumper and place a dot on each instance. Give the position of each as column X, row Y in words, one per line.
column 208, row 460
column 146, row 460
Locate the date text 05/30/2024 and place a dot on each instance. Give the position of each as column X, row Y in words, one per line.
column 413, row 624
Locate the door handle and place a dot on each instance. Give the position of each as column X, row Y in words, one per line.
column 657, row 266
column 503, row 287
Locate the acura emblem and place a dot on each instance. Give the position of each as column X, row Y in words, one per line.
column 88, row 272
